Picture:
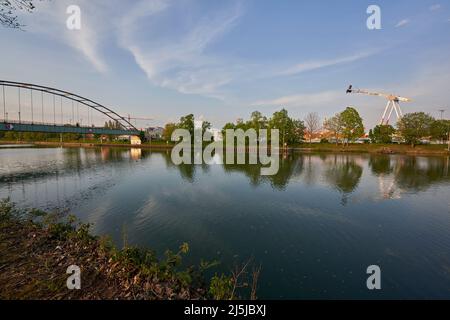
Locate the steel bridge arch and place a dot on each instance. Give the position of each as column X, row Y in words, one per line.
column 124, row 123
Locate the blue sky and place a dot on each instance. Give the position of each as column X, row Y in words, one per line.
column 221, row 60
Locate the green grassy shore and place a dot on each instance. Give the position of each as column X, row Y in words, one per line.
column 306, row 147
column 36, row 249
column 375, row 148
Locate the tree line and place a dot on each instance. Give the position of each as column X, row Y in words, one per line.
column 186, row 122
column 346, row 127
column 291, row 130
column 413, row 127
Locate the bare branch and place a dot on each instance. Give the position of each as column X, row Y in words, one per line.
column 255, row 276
column 312, row 124
column 8, row 12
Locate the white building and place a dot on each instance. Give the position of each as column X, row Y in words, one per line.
column 217, row 134
column 134, row 140
column 154, row 133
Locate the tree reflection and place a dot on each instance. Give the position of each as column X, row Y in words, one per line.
column 380, row 164
column 187, row 171
column 344, row 174
column 419, row 173
column 290, row 165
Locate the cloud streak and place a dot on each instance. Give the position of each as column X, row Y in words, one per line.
column 179, row 61
column 50, row 20
column 402, row 23
column 302, row 100
column 435, row 7
column 319, row 64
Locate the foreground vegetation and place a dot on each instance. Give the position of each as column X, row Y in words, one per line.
column 37, row 247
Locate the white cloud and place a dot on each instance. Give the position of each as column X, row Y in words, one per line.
column 86, row 41
column 318, row 64
column 178, row 60
column 402, row 23
column 302, row 100
column 435, row 7
column 50, row 19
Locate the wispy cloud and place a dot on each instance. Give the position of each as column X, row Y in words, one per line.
column 402, row 23
column 435, row 7
column 302, row 100
column 319, row 64
column 179, row 60
column 86, row 41
column 50, row 19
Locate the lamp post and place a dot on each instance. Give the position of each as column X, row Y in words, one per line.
column 448, row 138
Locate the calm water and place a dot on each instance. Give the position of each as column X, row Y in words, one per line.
column 314, row 227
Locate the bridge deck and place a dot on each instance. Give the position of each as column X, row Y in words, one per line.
column 48, row 128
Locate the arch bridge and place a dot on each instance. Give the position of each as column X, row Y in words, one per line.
column 36, row 108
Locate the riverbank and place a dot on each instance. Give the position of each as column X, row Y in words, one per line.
column 36, row 248
column 73, row 144
column 375, row 148
column 319, row 147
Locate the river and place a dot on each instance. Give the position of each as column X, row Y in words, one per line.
column 314, row 227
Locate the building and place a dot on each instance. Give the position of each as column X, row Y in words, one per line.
column 154, row 133
column 217, row 134
column 134, row 140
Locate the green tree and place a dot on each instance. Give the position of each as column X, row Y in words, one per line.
column 298, row 131
column 352, row 124
column 168, row 129
column 440, row 130
column 257, row 121
column 227, row 126
column 372, row 136
column 142, row 136
column 205, row 126
column 382, row 134
column 291, row 131
column 187, row 122
column 335, row 125
column 413, row 126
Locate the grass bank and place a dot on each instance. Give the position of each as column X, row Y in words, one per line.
column 87, row 144
column 36, row 248
column 374, row 148
column 305, row 147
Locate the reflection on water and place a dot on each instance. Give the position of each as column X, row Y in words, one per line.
column 314, row 227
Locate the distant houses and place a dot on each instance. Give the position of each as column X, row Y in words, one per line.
column 134, row 140
column 154, row 133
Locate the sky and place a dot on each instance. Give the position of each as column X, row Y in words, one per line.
column 222, row 60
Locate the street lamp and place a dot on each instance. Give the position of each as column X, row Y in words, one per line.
column 448, row 138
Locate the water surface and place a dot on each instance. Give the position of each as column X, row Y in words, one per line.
column 314, row 227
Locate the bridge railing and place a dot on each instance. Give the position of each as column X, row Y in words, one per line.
column 78, row 125
column 28, row 126
column 75, row 98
